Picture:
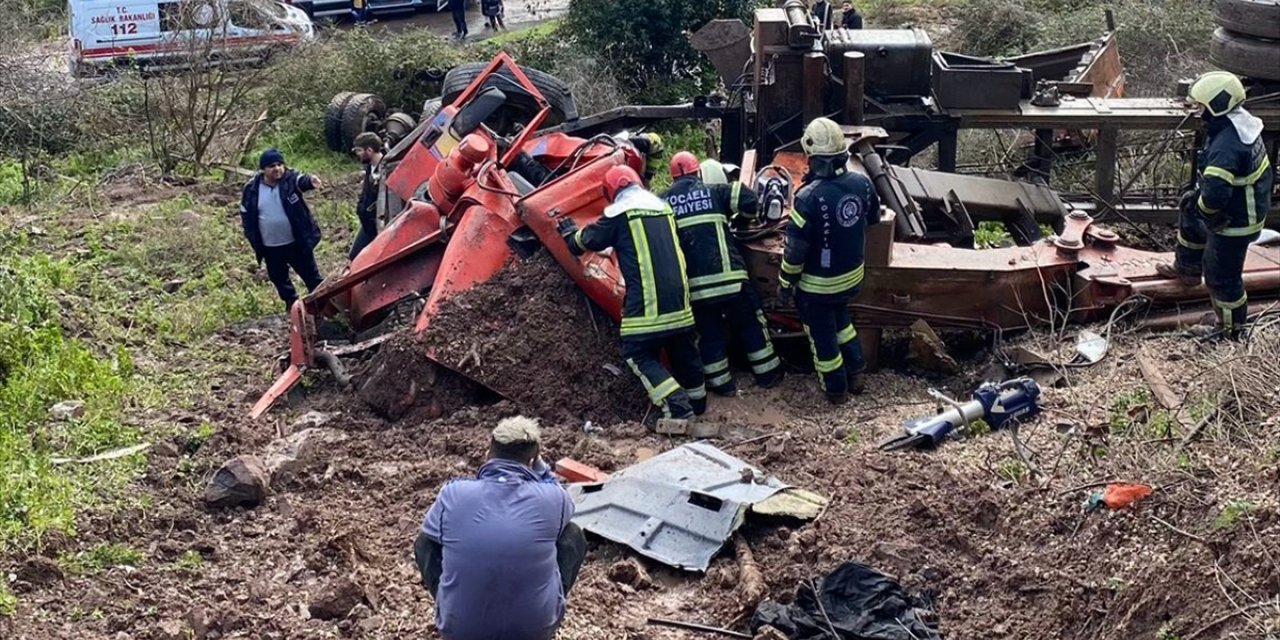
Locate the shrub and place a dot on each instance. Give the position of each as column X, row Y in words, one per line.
column 650, row 39
column 997, row 27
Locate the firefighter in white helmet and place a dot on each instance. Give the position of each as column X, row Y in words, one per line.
column 822, row 264
column 1228, row 207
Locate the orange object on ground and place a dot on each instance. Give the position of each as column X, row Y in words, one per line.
column 575, row 471
column 1119, row 496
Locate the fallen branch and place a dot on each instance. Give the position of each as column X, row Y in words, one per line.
column 750, row 579
column 1195, row 431
column 1180, row 532
column 1225, row 617
column 697, row 627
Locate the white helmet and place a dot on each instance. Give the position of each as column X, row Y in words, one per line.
column 823, row 137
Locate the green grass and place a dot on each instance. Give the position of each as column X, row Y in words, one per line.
column 8, row 602
column 303, row 148
column 1118, row 417
column 100, row 558
column 540, row 30
column 190, row 562
column 679, row 136
column 1232, row 513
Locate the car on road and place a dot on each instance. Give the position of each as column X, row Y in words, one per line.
column 342, row 8
column 163, row 34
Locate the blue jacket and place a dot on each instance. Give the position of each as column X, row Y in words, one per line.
column 292, row 186
column 498, row 532
column 1235, row 179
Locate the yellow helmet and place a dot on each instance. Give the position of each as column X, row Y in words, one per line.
column 713, row 172
column 1218, row 91
column 823, row 137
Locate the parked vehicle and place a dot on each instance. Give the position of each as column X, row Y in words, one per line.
column 159, row 34
column 342, row 8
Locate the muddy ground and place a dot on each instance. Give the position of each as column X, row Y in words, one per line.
column 999, row 539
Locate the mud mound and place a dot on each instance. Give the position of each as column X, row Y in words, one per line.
column 532, row 336
column 400, row 380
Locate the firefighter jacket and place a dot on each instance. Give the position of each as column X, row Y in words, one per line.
column 826, row 236
column 716, row 269
column 1236, row 178
column 642, row 231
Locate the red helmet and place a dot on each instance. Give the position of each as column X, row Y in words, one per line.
column 683, row 164
column 617, row 178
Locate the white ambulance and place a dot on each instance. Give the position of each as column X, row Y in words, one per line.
column 158, row 33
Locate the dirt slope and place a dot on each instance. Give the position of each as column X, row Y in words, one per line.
column 1007, row 553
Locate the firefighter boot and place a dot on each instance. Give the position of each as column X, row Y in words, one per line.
column 1172, row 272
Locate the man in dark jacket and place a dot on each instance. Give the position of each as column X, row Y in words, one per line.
column 718, row 286
column 279, row 225
column 459, row 10
column 823, row 256
column 821, row 12
column 849, row 16
column 1227, row 210
column 498, row 552
column 640, row 227
column 368, row 148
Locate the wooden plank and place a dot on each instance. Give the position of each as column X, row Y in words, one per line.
column 1160, row 388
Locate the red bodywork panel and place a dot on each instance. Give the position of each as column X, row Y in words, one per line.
column 578, row 196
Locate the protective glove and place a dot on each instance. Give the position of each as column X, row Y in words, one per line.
column 1188, row 203
column 786, row 296
column 567, row 230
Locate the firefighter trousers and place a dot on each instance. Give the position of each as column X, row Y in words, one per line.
column 681, row 395
column 1220, row 259
column 741, row 314
column 837, row 354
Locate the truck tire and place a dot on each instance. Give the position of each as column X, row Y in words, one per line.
column 1256, row 18
column 363, row 112
column 396, row 127
column 333, row 121
column 559, row 96
column 1251, row 57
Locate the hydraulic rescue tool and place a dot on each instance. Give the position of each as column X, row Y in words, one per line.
column 997, row 404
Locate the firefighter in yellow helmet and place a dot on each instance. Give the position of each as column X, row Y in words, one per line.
column 822, row 262
column 1228, row 207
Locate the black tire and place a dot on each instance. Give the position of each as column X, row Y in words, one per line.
column 1245, row 56
column 521, row 104
column 1256, row 18
column 333, row 121
column 363, row 112
column 396, row 127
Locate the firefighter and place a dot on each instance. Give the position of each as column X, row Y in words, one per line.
column 651, row 147
column 718, row 285
column 1226, row 211
column 641, row 229
column 822, row 262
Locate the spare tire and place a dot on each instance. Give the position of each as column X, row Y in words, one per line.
column 520, row 104
column 1257, row 18
column 333, row 121
column 1245, row 56
column 363, row 112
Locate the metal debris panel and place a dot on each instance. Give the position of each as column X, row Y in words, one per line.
column 680, row 507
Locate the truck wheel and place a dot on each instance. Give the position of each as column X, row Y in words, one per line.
column 1245, row 56
column 521, row 104
column 396, row 127
column 333, row 121
column 1257, row 18
column 363, row 112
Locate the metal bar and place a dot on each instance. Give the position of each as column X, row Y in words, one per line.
column 815, row 83
column 1106, row 164
column 854, row 79
column 698, row 627
column 947, row 150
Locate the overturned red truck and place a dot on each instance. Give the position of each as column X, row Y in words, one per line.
column 465, row 212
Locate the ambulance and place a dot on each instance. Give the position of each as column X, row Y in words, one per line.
column 156, row 34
